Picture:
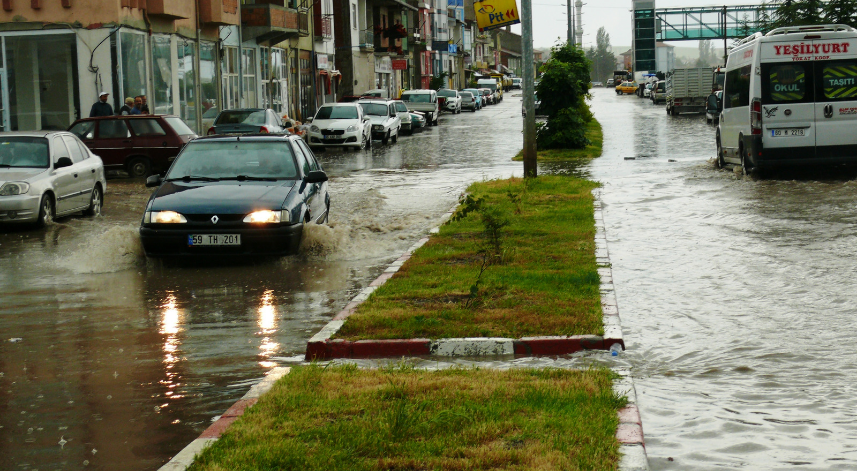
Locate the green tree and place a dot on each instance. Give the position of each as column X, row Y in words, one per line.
column 842, row 12
column 707, row 55
column 566, row 82
column 788, row 13
column 603, row 60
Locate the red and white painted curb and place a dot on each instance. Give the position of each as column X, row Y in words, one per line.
column 185, row 458
column 322, row 347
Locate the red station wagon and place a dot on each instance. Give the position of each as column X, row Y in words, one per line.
column 139, row 144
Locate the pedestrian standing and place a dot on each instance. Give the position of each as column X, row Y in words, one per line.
column 101, row 107
column 145, row 108
column 126, row 108
column 138, row 105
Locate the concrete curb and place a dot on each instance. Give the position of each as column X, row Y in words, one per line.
column 185, row 458
column 321, row 347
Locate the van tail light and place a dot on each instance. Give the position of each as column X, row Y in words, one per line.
column 263, row 130
column 756, row 117
column 211, row 131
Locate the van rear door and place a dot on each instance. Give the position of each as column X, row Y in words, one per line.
column 836, row 99
column 788, row 101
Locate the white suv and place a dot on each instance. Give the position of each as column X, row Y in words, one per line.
column 340, row 125
column 453, row 100
column 384, row 119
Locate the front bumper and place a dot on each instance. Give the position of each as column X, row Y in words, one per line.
column 341, row 140
column 168, row 242
column 379, row 133
column 450, row 106
column 19, row 209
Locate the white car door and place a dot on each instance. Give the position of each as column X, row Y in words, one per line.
column 85, row 171
column 66, row 181
column 836, row 101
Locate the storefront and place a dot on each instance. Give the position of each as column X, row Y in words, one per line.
column 384, row 79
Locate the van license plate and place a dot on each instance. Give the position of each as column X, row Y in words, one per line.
column 213, row 239
column 786, row 132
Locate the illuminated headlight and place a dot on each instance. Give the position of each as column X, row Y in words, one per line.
column 352, row 128
column 314, row 128
column 163, row 217
column 377, row 127
column 266, row 216
column 14, row 188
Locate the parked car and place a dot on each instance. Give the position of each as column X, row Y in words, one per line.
column 610, row 83
column 714, row 107
column 384, row 119
column 597, row 84
column 247, row 121
column 468, row 101
column 404, row 116
column 46, row 175
column 477, row 95
column 453, row 100
column 137, row 144
column 517, row 82
column 340, row 125
column 627, row 88
column 235, row 195
column 659, row 92
column 536, row 105
column 376, row 93
column 425, row 101
column 418, row 120
column 487, row 96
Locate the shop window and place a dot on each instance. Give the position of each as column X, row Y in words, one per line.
column 161, row 98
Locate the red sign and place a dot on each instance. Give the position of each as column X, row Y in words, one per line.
column 400, row 64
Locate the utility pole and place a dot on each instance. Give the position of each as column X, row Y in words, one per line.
column 570, row 21
column 530, row 161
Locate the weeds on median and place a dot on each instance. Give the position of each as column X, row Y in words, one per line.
column 533, row 256
column 403, row 418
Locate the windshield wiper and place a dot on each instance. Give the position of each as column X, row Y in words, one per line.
column 242, row 178
column 188, row 178
column 5, row 166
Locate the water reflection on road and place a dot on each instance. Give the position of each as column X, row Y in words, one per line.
column 112, row 361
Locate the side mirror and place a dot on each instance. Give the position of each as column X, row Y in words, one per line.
column 365, row 119
column 63, row 162
column 316, row 176
column 153, row 180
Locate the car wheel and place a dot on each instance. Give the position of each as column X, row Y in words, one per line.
column 746, row 169
column 396, row 137
column 386, row 139
column 721, row 162
column 46, row 211
column 327, row 214
column 95, row 202
column 139, row 167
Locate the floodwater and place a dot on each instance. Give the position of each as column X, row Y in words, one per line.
column 112, row 361
column 737, row 297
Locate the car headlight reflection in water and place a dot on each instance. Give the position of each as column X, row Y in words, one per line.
column 163, row 217
column 266, row 216
column 14, row 188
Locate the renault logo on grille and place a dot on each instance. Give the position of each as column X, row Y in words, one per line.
column 214, row 219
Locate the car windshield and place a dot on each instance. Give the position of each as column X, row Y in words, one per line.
column 401, row 107
column 24, row 152
column 179, row 126
column 229, row 159
column 254, row 117
column 492, row 86
column 466, row 94
column 83, row 129
column 417, row 97
column 374, row 109
column 446, row 93
column 337, row 112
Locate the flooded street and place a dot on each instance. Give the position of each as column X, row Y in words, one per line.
column 737, row 297
column 112, row 361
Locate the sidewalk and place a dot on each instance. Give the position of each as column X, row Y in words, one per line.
column 321, row 347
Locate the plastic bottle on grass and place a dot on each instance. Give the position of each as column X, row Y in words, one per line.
column 615, row 349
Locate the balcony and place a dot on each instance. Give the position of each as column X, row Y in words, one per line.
column 170, row 9
column 272, row 23
column 323, row 27
column 217, row 12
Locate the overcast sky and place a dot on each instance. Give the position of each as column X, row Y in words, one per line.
column 550, row 21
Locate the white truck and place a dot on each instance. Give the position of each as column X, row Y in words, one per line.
column 688, row 89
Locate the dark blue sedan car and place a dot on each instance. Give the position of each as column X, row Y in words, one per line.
column 239, row 195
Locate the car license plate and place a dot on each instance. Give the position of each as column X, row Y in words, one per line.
column 213, row 239
column 786, row 132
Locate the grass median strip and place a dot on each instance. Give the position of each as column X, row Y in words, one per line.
column 403, row 418
column 516, row 260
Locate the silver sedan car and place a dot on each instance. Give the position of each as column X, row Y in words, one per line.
column 46, row 175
